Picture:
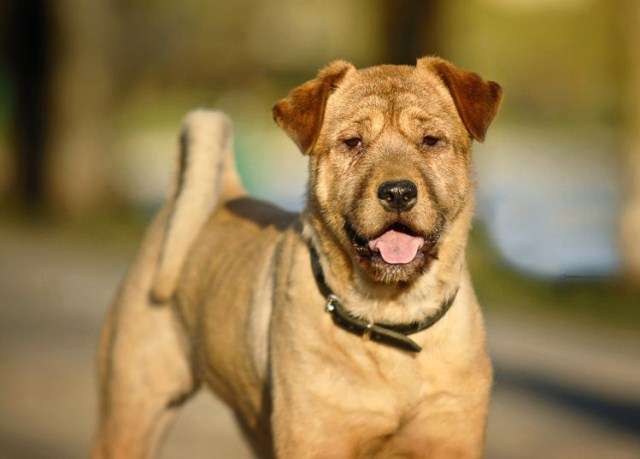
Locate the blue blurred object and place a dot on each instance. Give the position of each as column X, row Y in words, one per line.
column 551, row 203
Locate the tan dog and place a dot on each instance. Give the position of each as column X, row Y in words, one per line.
column 350, row 331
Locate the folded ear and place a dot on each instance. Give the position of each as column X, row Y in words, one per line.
column 300, row 114
column 477, row 100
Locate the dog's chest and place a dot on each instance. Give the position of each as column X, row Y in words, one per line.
column 398, row 381
column 395, row 396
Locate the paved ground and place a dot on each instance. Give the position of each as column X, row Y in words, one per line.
column 560, row 393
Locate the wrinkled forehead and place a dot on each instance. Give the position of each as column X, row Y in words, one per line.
column 391, row 94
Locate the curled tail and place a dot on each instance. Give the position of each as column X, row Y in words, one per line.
column 205, row 175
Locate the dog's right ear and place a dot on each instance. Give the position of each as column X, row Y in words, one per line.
column 300, row 114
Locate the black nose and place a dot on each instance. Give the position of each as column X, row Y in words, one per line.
column 398, row 195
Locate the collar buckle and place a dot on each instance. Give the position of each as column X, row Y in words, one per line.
column 366, row 334
column 330, row 305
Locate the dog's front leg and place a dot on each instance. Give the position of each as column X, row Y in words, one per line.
column 317, row 415
column 308, row 429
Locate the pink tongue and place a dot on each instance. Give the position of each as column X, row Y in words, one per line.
column 396, row 247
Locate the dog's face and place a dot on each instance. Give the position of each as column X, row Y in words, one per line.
column 390, row 156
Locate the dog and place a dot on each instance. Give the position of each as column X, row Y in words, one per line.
column 348, row 331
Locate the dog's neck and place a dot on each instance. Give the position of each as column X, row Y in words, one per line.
column 391, row 303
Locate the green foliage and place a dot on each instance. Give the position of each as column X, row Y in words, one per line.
column 559, row 62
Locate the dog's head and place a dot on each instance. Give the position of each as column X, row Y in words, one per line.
column 390, row 158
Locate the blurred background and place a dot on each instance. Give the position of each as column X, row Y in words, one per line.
column 91, row 98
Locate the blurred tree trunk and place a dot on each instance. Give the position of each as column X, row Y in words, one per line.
column 412, row 29
column 27, row 48
column 58, row 60
column 80, row 105
column 630, row 222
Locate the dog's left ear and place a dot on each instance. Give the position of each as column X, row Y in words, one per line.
column 300, row 114
column 477, row 100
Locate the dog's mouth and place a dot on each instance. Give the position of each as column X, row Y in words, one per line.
column 396, row 244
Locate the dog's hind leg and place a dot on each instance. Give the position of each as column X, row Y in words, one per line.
column 144, row 362
column 144, row 365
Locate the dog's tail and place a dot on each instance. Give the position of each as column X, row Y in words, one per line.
column 204, row 176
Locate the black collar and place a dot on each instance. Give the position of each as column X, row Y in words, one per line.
column 381, row 332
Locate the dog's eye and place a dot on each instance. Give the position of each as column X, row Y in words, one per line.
column 430, row 140
column 353, row 142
